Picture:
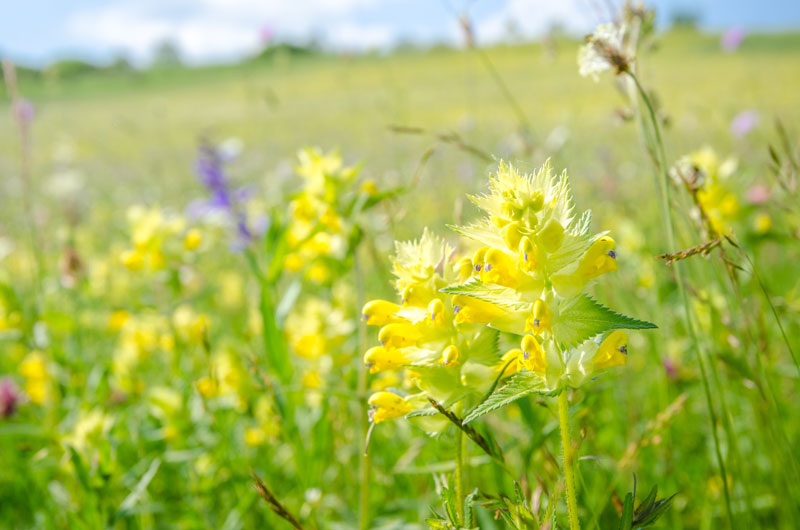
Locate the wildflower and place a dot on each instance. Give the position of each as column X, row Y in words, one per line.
column 387, row 405
column 193, row 239
column 603, row 51
column 430, row 333
column 704, row 176
column 9, row 398
column 733, row 38
column 224, row 200
column 744, row 122
column 535, row 260
column 37, row 377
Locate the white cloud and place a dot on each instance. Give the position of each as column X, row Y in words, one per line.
column 208, row 30
column 535, row 17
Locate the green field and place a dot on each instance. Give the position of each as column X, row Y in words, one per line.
column 422, row 124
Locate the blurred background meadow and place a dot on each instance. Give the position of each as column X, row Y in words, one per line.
column 171, row 321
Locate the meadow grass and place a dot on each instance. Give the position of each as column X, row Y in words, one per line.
column 133, row 140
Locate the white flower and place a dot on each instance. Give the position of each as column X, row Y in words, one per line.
column 602, row 51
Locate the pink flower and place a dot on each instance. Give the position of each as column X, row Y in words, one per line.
column 732, row 38
column 9, row 398
column 744, row 122
column 758, row 194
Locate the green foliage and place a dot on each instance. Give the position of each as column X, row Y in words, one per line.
column 517, row 386
column 581, row 318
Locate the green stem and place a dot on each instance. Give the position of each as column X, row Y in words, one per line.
column 569, row 472
column 364, row 462
column 666, row 214
column 460, row 476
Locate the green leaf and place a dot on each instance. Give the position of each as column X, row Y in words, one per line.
column 518, row 385
column 485, row 348
column 627, row 513
column 502, row 297
column 581, row 318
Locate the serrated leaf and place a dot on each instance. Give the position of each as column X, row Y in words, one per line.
column 485, row 348
column 581, row 318
column 518, row 385
column 502, row 297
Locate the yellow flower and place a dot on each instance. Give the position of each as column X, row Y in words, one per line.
column 387, row 405
column 613, row 351
column 37, row 377
column 255, row 436
column 193, row 239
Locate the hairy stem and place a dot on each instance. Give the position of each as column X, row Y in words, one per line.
column 569, row 472
column 460, row 476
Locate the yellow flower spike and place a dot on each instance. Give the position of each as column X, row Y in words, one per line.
column 386, row 406
column 511, row 235
column 612, row 352
column 470, row 310
column 450, row 356
column 533, row 358
column 330, row 220
column 380, row 359
column 527, row 255
column 599, row 259
column 193, row 239
column 551, row 235
column 436, row 311
column 399, row 335
column 464, row 269
column 541, row 318
column 500, row 269
column 380, row 313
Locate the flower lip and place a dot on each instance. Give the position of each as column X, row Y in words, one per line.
column 613, row 254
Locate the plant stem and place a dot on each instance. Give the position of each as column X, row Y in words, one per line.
column 569, row 473
column 364, row 463
column 666, row 213
column 460, row 476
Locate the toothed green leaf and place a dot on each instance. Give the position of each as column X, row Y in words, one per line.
column 518, row 385
column 581, row 318
column 502, row 297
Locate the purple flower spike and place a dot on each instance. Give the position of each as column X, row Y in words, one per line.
column 732, row 38
column 744, row 122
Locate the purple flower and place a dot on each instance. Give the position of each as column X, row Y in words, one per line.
column 732, row 38
column 223, row 199
column 9, row 398
column 744, row 122
column 24, row 111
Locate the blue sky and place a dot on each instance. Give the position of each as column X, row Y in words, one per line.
column 37, row 31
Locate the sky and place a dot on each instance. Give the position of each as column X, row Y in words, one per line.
column 36, row 32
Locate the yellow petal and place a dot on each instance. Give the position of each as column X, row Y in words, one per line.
column 380, row 313
column 612, row 352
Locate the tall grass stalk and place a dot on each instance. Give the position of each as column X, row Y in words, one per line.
column 656, row 145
